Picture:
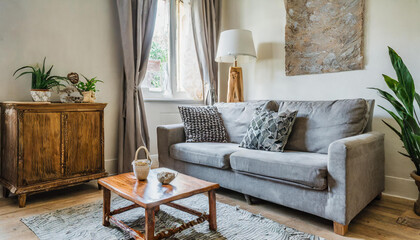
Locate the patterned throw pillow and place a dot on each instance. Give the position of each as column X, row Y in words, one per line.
column 202, row 124
column 269, row 130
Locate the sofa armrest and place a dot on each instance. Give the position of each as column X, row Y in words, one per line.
column 355, row 174
column 166, row 136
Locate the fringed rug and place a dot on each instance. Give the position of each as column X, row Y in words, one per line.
column 85, row 222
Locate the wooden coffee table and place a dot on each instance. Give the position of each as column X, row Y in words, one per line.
column 150, row 195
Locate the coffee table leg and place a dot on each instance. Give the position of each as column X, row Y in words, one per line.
column 150, row 223
column 212, row 210
column 107, row 206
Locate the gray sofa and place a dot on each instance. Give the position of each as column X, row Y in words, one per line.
column 333, row 165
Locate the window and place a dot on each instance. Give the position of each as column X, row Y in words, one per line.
column 172, row 70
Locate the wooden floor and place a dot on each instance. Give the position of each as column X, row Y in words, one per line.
column 377, row 221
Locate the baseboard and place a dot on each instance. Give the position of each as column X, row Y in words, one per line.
column 155, row 160
column 401, row 187
column 111, row 166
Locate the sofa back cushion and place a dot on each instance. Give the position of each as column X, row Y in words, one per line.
column 237, row 116
column 320, row 123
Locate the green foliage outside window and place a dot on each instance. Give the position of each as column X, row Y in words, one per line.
column 158, row 53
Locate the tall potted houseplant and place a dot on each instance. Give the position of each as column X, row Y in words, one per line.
column 88, row 89
column 42, row 81
column 404, row 114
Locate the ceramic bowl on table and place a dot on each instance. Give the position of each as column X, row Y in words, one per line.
column 166, row 177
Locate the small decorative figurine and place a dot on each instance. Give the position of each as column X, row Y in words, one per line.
column 73, row 77
column 166, row 177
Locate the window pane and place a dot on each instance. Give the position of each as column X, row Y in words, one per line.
column 188, row 73
column 157, row 75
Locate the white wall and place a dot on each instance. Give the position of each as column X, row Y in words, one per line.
column 387, row 22
column 77, row 35
column 162, row 113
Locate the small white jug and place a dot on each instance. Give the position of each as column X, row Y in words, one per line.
column 141, row 167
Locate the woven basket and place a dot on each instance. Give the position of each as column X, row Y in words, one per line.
column 141, row 167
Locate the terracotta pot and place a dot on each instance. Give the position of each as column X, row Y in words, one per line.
column 89, row 97
column 41, row 95
column 417, row 181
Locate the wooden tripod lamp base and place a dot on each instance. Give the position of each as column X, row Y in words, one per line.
column 235, row 91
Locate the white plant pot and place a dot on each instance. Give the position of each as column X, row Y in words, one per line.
column 141, row 167
column 141, row 171
column 41, row 95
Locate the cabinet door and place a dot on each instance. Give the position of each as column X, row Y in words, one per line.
column 83, row 143
column 40, row 148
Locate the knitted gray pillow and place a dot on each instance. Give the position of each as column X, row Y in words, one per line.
column 269, row 130
column 202, row 124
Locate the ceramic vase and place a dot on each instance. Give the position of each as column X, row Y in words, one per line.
column 41, row 95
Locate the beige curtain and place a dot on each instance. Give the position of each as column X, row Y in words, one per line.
column 137, row 23
column 205, row 16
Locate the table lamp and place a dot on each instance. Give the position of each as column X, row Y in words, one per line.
column 234, row 45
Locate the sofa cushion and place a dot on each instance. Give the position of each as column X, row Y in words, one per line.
column 303, row 169
column 269, row 130
column 319, row 123
column 237, row 116
column 206, row 153
column 202, row 124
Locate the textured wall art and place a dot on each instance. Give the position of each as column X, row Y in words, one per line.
column 323, row 36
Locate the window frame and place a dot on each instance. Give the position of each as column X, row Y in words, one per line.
column 174, row 94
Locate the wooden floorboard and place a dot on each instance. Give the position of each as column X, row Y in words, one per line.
column 377, row 221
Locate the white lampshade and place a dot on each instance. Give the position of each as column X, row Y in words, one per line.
column 236, row 44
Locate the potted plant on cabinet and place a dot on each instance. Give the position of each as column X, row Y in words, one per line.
column 88, row 89
column 404, row 114
column 42, row 81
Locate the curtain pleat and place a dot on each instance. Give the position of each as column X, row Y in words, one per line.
column 137, row 22
column 205, row 16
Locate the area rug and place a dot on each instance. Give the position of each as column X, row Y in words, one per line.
column 85, row 222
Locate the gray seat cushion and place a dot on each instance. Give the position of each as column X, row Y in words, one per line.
column 319, row 123
column 303, row 169
column 237, row 116
column 205, row 153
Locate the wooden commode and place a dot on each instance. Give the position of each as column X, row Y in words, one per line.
column 47, row 146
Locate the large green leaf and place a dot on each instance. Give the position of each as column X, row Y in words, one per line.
column 397, row 105
column 23, row 73
column 43, row 66
column 33, row 69
column 404, row 78
column 393, row 129
column 49, row 71
column 394, row 116
column 392, row 83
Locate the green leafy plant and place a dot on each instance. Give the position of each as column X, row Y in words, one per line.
column 156, row 82
column 406, row 116
column 157, row 52
column 41, row 79
column 90, row 84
